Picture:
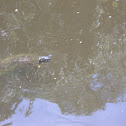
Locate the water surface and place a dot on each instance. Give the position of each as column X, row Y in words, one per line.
column 84, row 84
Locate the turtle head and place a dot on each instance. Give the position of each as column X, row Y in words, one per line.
column 44, row 59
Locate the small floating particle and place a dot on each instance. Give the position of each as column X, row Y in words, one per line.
column 50, row 3
column 110, row 16
column 55, row 78
column 16, row 10
column 81, row 32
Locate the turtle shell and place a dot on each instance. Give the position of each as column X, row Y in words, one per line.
column 19, row 63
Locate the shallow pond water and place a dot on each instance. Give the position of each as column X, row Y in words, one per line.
column 84, row 84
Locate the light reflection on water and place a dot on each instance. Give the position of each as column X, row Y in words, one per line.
column 48, row 113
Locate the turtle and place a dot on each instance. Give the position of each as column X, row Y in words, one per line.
column 22, row 62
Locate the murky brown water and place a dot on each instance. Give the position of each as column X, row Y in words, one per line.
column 84, row 84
